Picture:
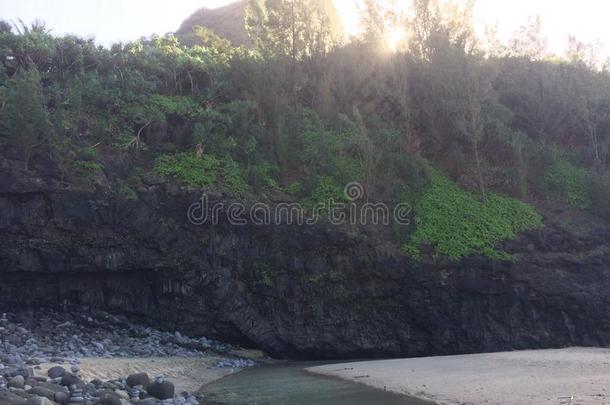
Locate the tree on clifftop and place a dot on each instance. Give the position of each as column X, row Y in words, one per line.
column 23, row 118
column 296, row 29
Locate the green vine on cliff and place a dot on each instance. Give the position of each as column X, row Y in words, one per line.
column 188, row 168
column 457, row 223
column 202, row 171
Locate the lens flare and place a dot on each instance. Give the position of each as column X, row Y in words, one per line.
column 396, row 36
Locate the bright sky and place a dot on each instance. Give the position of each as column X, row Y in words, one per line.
column 123, row 20
column 586, row 19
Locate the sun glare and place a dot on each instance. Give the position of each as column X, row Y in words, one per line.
column 351, row 10
column 395, row 37
column 559, row 19
column 349, row 13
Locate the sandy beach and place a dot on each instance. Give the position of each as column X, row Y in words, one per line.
column 187, row 374
column 564, row 376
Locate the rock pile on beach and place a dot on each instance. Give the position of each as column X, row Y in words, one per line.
column 65, row 387
column 64, row 337
column 48, row 334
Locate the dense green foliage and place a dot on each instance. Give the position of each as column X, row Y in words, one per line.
column 24, row 117
column 189, row 169
column 304, row 112
column 457, row 223
column 569, row 184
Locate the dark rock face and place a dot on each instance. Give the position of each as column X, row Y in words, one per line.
column 319, row 292
column 227, row 22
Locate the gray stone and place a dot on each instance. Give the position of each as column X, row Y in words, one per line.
column 122, row 394
column 43, row 392
column 109, row 398
column 56, row 372
column 17, row 382
column 10, row 398
column 52, row 387
column 39, row 401
column 61, row 397
column 138, row 379
column 161, row 390
column 70, row 379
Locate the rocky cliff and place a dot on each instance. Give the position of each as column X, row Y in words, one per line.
column 227, row 22
column 316, row 292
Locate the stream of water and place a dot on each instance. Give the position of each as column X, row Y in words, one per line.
column 290, row 384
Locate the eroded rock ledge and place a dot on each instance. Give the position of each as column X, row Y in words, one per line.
column 316, row 292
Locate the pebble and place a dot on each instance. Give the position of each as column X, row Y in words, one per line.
column 135, row 393
column 235, row 363
column 147, row 401
column 122, row 394
column 65, row 337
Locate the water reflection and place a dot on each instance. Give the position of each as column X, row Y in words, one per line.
column 291, row 385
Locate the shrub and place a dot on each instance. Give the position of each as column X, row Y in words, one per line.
column 233, row 177
column 568, row 184
column 23, row 116
column 202, row 172
column 263, row 176
column 326, row 189
column 457, row 223
column 89, row 154
column 88, row 167
column 294, row 188
column 189, row 169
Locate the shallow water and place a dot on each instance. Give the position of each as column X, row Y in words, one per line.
column 290, row 384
